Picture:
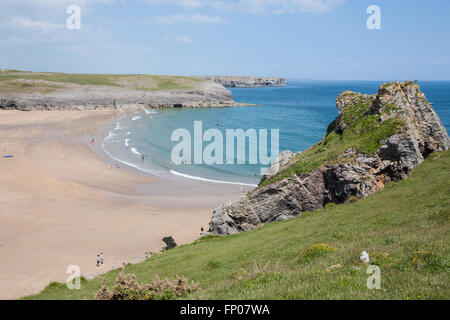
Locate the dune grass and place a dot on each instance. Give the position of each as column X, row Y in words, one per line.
column 404, row 228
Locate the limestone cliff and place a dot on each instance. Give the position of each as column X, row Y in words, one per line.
column 247, row 82
column 374, row 140
column 48, row 91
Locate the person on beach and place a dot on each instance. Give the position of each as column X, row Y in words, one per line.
column 101, row 258
column 98, row 261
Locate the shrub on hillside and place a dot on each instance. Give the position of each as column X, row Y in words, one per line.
column 317, row 250
column 126, row 287
column 435, row 262
column 352, row 199
column 380, row 258
column 330, row 205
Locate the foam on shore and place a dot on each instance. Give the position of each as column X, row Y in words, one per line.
column 121, row 135
column 210, row 180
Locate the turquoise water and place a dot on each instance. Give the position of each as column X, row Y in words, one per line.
column 301, row 112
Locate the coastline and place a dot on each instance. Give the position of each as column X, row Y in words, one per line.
column 116, row 148
column 29, row 91
column 63, row 205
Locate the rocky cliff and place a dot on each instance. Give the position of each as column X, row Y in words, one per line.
column 48, row 91
column 374, row 140
column 247, row 82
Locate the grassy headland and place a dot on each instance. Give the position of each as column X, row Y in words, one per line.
column 364, row 134
column 23, row 81
column 404, row 228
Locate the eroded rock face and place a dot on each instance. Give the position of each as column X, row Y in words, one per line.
column 354, row 173
column 88, row 97
column 281, row 162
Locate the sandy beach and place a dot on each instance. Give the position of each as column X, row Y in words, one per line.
column 61, row 204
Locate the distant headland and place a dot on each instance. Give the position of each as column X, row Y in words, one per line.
column 247, row 82
column 23, row 90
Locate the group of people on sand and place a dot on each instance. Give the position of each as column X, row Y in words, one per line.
column 99, row 259
column 116, row 165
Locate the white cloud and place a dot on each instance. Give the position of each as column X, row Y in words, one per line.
column 184, row 39
column 256, row 6
column 179, row 39
column 24, row 22
column 183, row 18
column 191, row 4
column 50, row 3
column 33, row 21
column 46, row 7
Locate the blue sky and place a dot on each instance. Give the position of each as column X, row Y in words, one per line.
column 309, row 39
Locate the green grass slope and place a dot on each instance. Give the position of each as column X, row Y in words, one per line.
column 24, row 81
column 404, row 228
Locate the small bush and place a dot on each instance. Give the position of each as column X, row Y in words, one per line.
column 317, row 250
column 56, row 285
column 330, row 205
column 331, row 127
column 380, row 258
column 420, row 257
column 126, row 287
column 213, row 264
column 425, row 259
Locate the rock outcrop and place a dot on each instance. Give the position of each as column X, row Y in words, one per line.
column 88, row 97
column 247, row 82
column 374, row 140
column 281, row 162
column 170, row 243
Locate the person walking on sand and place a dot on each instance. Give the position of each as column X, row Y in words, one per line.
column 101, row 258
column 98, row 261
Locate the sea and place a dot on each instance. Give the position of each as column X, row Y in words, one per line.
column 165, row 142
